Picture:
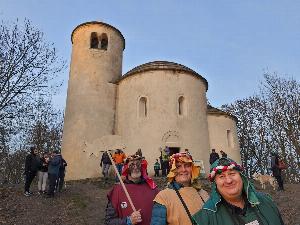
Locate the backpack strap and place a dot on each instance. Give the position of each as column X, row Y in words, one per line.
column 183, row 203
column 202, row 199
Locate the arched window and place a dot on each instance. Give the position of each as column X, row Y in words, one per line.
column 181, row 106
column 94, row 40
column 103, row 41
column 143, row 107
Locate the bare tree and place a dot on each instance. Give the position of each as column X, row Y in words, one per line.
column 29, row 69
column 283, row 96
column 28, row 66
column 45, row 130
column 283, row 106
column 251, row 132
column 270, row 122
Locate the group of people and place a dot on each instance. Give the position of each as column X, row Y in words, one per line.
column 233, row 199
column 215, row 156
column 49, row 168
column 119, row 158
column 105, row 162
column 164, row 161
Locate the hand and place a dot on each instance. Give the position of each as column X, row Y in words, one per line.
column 136, row 217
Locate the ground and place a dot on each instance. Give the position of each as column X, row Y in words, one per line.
column 83, row 203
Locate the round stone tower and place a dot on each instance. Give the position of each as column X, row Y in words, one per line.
column 96, row 63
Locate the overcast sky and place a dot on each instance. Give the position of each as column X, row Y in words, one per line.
column 229, row 42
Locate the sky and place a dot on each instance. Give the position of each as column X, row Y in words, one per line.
column 231, row 43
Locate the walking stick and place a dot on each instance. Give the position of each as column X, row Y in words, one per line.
column 121, row 182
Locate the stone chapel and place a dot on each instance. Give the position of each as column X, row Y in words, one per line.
column 154, row 105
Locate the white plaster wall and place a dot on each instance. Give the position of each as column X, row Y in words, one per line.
column 90, row 108
column 218, row 126
column 163, row 126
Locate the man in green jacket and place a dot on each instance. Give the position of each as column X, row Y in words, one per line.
column 234, row 201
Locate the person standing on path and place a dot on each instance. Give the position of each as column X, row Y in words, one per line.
column 43, row 173
column 53, row 171
column 213, row 156
column 105, row 163
column 32, row 164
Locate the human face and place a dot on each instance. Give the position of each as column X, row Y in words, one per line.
column 230, row 185
column 183, row 173
column 134, row 169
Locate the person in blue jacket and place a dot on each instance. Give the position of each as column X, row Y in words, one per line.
column 53, row 171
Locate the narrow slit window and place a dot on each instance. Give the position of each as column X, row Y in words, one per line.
column 229, row 139
column 103, row 41
column 181, row 105
column 94, row 40
column 143, row 107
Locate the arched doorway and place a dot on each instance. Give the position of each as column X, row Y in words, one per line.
column 173, row 150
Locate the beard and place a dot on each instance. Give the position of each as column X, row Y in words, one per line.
column 135, row 173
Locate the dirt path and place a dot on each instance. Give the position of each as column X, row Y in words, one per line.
column 84, row 202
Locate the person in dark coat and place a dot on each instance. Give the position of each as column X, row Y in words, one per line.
column 156, row 168
column 32, row 164
column 53, row 171
column 276, row 170
column 213, row 156
column 105, row 163
column 61, row 174
column 165, row 161
column 223, row 154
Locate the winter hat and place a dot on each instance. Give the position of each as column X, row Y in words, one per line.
column 222, row 165
column 184, row 158
column 125, row 169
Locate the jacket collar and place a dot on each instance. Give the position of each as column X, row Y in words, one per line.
column 127, row 181
column 215, row 198
column 174, row 184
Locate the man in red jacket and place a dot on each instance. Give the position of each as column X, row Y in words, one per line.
column 142, row 191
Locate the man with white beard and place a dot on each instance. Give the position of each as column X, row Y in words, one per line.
column 142, row 191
